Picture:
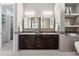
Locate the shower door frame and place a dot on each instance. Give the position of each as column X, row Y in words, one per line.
column 13, row 5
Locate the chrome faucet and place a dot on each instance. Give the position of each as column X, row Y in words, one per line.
column 39, row 31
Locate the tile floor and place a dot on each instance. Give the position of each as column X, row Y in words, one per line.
column 7, row 51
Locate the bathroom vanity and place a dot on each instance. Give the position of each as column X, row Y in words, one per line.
column 39, row 31
column 38, row 41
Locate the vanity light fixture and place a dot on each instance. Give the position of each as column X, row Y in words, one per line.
column 47, row 13
column 29, row 13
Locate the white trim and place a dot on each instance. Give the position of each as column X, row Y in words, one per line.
column 0, row 28
column 15, row 38
column 17, row 21
column 6, row 3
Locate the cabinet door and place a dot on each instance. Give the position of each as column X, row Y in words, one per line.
column 30, row 40
column 26, row 41
column 53, row 41
column 50, row 41
column 45, row 42
column 22, row 42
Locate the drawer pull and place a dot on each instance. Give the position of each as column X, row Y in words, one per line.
column 38, row 45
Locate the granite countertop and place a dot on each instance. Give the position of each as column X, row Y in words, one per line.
column 38, row 33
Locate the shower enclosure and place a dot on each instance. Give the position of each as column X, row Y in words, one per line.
column 6, row 17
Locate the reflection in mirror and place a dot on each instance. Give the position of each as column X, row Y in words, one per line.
column 34, row 23
column 31, row 23
column 27, row 22
column 38, row 18
column 47, row 23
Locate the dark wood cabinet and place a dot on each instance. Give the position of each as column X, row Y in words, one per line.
column 50, row 41
column 38, row 41
column 22, row 42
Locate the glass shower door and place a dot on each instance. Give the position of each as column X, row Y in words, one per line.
column 7, row 26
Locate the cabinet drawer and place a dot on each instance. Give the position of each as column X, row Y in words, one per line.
column 37, row 41
column 38, row 46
